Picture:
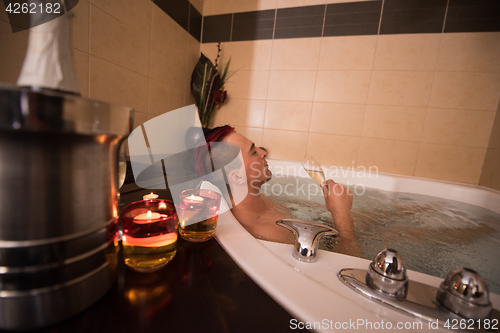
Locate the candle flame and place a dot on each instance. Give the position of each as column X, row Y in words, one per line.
column 191, row 197
column 148, row 215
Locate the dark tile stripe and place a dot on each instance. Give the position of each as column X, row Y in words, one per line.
column 217, row 28
column 195, row 21
column 178, row 10
column 413, row 16
column 355, row 18
column 299, row 22
column 253, row 25
column 340, row 19
column 473, row 16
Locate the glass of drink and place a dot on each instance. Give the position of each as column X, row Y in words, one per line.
column 149, row 234
column 122, row 164
column 314, row 170
column 198, row 212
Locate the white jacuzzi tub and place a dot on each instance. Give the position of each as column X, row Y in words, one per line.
column 312, row 292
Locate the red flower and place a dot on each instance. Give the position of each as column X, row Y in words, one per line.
column 219, row 96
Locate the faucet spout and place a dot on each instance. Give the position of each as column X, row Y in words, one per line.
column 307, row 235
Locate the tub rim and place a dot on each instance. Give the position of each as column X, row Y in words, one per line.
column 314, row 300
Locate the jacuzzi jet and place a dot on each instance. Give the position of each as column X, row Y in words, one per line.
column 465, row 293
column 387, row 273
column 307, row 235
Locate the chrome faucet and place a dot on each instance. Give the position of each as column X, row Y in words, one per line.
column 307, row 235
column 463, row 295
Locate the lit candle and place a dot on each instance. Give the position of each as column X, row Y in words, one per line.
column 150, row 196
column 147, row 216
column 194, row 199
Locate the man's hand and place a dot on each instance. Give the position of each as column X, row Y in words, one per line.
column 338, row 200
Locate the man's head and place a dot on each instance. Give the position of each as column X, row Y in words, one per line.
column 206, row 153
column 256, row 168
column 254, row 158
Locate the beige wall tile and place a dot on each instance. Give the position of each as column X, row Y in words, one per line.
column 217, row 7
column 290, row 145
column 118, row 85
column 336, row 118
column 342, row 86
column 163, row 98
column 192, row 56
column 188, row 99
column 333, row 149
column 175, row 41
column 295, row 54
column 248, row 55
column 347, row 53
column 298, row 3
column 3, row 14
column 170, row 73
column 11, row 57
column 113, row 41
column 294, row 116
column 253, row 134
column 218, row 118
column 339, row 1
column 253, row 5
column 80, row 26
column 465, row 90
column 168, row 51
column 82, row 71
column 394, row 122
column 400, row 88
column 248, row 85
column 245, row 112
column 198, row 4
column 139, row 118
column 495, row 131
column 458, row 127
column 135, row 14
column 475, row 52
column 407, row 52
column 210, row 51
column 489, row 174
column 389, row 156
column 452, row 163
column 291, row 85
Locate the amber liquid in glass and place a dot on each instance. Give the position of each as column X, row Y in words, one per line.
column 317, row 175
column 198, row 232
column 148, row 245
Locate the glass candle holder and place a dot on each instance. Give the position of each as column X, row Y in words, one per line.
column 149, row 234
column 198, row 213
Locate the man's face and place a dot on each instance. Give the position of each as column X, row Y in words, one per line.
column 257, row 170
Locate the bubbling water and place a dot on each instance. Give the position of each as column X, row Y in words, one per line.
column 433, row 235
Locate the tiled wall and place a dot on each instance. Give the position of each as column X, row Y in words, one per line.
column 490, row 175
column 394, row 92
column 127, row 52
column 368, row 92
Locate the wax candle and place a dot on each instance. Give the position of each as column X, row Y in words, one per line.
column 148, row 216
column 150, row 196
column 194, row 199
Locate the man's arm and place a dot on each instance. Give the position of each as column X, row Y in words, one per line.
column 339, row 202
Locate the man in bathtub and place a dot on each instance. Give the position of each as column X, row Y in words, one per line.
column 257, row 213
